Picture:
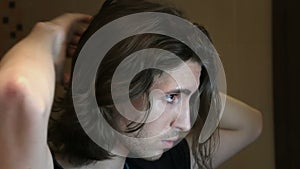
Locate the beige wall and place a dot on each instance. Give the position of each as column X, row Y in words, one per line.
column 241, row 30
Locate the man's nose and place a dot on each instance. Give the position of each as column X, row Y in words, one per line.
column 182, row 120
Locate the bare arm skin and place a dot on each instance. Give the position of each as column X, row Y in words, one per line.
column 240, row 125
column 28, row 72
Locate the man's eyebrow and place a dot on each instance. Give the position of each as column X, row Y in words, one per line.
column 177, row 91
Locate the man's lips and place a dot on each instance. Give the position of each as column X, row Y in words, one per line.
column 171, row 139
column 169, row 143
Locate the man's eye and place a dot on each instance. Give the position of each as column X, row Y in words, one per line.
column 172, row 98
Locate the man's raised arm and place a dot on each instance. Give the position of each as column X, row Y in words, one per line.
column 27, row 81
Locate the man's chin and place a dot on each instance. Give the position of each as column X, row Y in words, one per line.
column 153, row 158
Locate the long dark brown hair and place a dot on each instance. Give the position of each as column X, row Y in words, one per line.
column 66, row 135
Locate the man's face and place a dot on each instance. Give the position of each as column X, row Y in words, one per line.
column 169, row 116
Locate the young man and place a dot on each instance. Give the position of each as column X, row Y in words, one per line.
column 171, row 106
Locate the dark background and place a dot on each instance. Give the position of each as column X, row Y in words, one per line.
column 286, row 64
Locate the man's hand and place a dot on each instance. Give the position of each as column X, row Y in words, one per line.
column 70, row 28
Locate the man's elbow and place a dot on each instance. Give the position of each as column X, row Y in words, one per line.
column 15, row 92
column 256, row 126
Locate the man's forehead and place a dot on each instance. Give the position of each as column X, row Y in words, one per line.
column 183, row 77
